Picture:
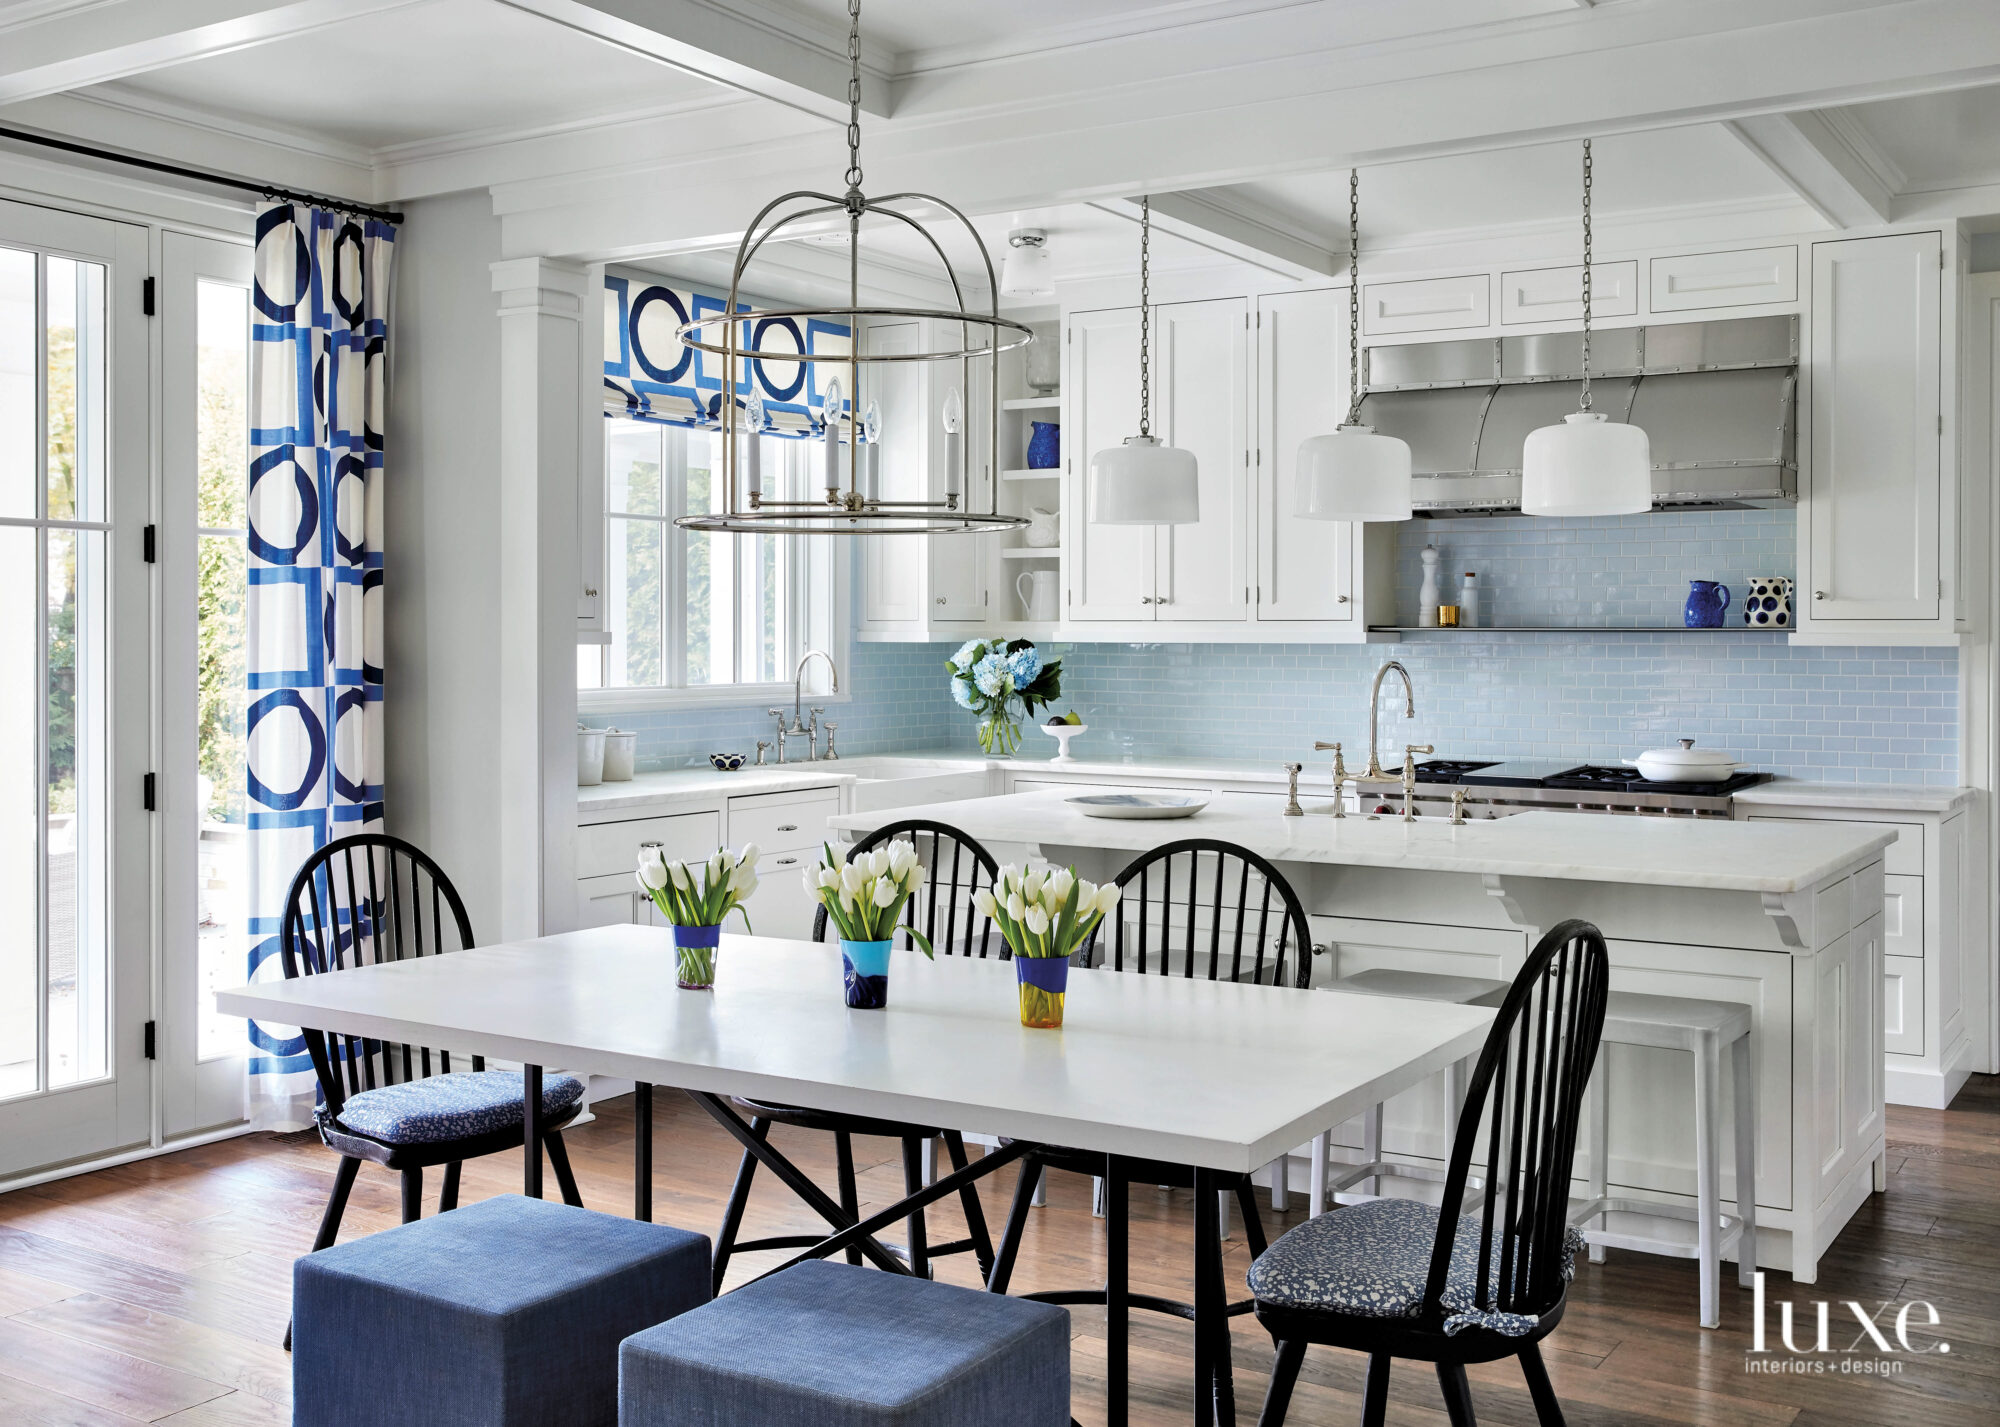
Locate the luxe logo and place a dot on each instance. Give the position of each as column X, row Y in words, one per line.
column 1876, row 1333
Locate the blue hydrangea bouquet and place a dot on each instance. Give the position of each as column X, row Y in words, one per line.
column 1003, row 681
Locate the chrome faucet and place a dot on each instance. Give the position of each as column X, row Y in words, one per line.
column 1374, row 708
column 798, row 698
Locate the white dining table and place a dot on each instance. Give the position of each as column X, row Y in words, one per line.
column 1218, row 1076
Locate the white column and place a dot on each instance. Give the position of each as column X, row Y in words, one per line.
column 541, row 304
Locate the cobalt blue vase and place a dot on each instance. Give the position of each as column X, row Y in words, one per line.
column 1045, row 446
column 1706, row 601
column 864, row 969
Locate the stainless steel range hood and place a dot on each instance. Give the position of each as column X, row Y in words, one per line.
column 1716, row 400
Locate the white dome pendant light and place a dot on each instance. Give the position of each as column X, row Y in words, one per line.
column 1353, row 474
column 1143, row 482
column 1588, row 465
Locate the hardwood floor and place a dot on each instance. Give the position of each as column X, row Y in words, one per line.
column 158, row 1291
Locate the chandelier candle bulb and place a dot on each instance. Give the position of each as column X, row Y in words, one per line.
column 753, row 449
column 954, row 443
column 830, row 414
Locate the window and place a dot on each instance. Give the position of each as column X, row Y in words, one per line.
column 688, row 610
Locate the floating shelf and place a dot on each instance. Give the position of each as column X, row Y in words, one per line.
column 1574, row 629
column 1032, row 403
column 1048, row 552
column 1053, row 473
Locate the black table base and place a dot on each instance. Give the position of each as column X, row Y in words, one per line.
column 1214, row 1378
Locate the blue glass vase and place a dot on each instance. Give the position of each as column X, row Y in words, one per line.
column 1045, row 446
column 864, row 969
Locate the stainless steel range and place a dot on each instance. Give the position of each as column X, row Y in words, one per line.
column 1497, row 788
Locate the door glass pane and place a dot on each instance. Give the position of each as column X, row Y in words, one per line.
column 73, row 319
column 17, row 382
column 20, row 817
column 75, row 852
column 222, row 336
column 632, row 468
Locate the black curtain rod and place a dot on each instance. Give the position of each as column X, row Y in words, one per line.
column 319, row 200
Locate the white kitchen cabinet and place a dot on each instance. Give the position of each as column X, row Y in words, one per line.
column 1556, row 294
column 1201, row 378
column 1933, row 1027
column 916, row 587
column 1305, row 568
column 1110, row 568
column 1433, row 304
column 1741, row 277
column 1872, row 544
column 1143, row 573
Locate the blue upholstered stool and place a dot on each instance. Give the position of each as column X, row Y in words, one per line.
column 506, row 1313
column 830, row 1345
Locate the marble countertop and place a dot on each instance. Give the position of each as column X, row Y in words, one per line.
column 703, row 784
column 1876, row 797
column 1586, row 847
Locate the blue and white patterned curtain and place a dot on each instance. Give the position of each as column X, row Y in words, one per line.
column 318, row 392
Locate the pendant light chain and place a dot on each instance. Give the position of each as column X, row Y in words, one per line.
column 1586, row 275
column 1145, row 316
column 853, row 99
column 1354, row 296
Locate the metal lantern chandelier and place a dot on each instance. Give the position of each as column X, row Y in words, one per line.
column 1354, row 474
column 1588, row 465
column 854, row 505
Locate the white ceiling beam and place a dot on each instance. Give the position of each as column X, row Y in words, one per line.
column 1164, row 114
column 1231, row 229
column 787, row 64
column 93, row 41
column 1816, row 161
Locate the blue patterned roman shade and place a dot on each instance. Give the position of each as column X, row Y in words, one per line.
column 649, row 375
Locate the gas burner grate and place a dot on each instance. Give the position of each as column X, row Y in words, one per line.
column 1449, row 770
column 1591, row 777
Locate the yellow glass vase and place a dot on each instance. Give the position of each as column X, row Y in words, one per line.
column 1044, row 987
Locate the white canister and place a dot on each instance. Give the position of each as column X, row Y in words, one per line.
column 589, row 757
column 621, row 750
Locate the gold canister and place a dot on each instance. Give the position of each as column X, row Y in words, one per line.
column 1447, row 616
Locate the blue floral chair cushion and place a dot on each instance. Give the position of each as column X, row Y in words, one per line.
column 451, row 1107
column 1371, row 1260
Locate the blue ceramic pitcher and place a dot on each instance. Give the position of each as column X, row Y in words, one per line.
column 1045, row 446
column 1707, row 599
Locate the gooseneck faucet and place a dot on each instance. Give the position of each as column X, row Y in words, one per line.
column 1374, row 708
column 798, row 698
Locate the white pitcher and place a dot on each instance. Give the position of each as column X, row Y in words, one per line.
column 1037, row 589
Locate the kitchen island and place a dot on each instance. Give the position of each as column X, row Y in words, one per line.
column 1784, row 918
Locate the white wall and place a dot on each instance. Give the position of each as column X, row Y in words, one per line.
column 442, row 579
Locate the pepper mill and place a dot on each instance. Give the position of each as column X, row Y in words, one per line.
column 1292, row 808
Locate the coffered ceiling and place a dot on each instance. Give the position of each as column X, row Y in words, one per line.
column 624, row 129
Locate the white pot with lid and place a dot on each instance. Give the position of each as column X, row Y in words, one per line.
column 1685, row 764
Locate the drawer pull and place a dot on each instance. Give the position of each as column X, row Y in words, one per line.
column 788, row 827
column 787, row 861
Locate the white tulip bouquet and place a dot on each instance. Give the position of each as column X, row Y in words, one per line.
column 863, row 897
column 1045, row 917
column 696, row 899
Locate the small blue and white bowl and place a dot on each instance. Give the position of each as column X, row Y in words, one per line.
column 725, row 762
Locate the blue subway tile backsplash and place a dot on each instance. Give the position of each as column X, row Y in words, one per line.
column 1867, row 715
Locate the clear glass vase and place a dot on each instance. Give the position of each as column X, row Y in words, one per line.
column 694, row 952
column 1044, row 989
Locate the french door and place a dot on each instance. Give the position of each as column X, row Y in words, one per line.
column 76, row 842
column 204, row 443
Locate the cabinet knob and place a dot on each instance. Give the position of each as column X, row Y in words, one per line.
column 1340, row 599
column 1145, row 599
column 1819, row 594
column 589, row 593
column 940, row 599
